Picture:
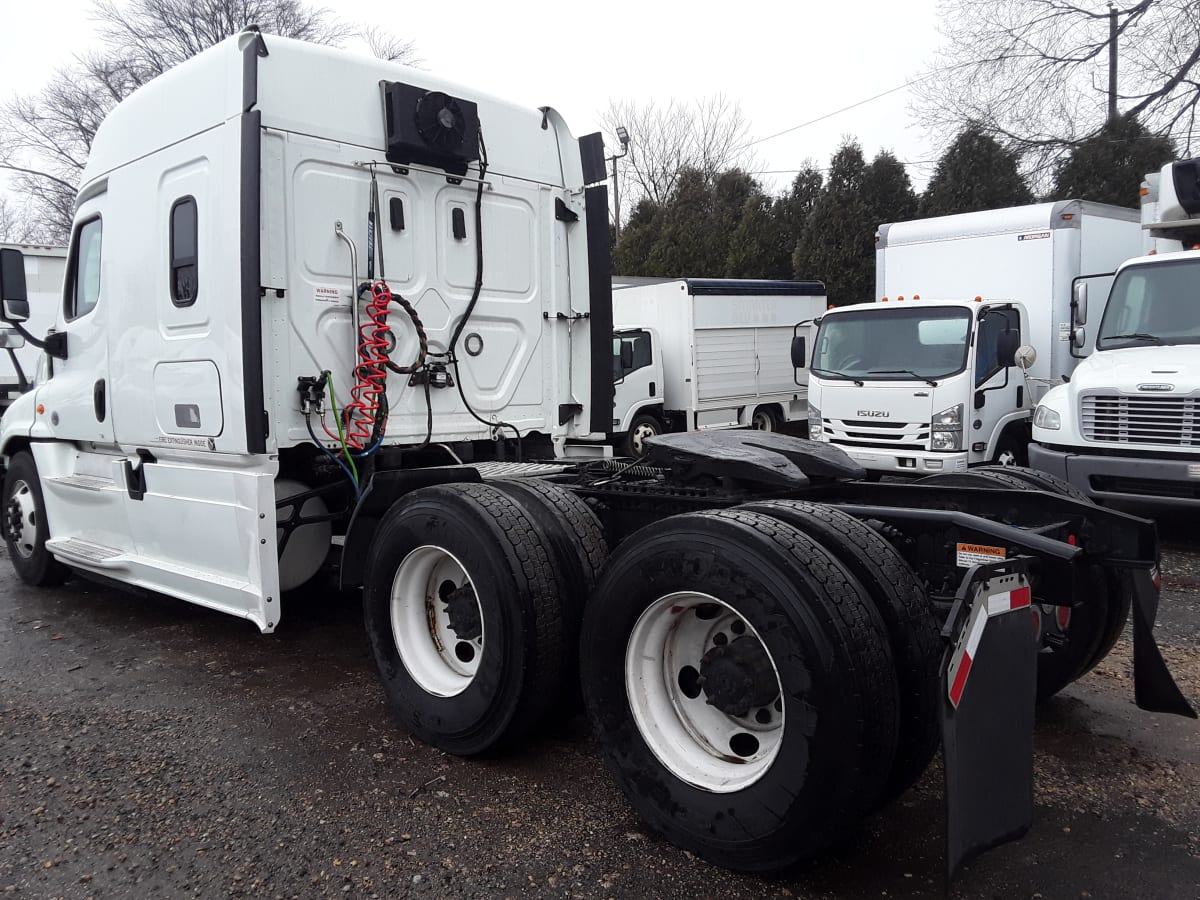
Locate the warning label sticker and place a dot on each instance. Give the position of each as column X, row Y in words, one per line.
column 325, row 294
column 1033, row 236
column 978, row 554
column 1064, row 331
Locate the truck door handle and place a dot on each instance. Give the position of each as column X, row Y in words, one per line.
column 652, row 389
column 98, row 400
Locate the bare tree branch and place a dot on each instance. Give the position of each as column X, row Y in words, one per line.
column 1029, row 72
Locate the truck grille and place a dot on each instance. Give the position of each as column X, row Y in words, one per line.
column 1124, row 419
column 877, row 434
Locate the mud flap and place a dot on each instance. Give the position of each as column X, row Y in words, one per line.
column 1154, row 689
column 989, row 679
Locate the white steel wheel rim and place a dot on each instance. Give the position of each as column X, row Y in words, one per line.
column 761, row 421
column 697, row 742
column 23, row 537
column 640, row 433
column 437, row 658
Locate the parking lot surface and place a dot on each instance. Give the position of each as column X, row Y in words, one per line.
column 152, row 748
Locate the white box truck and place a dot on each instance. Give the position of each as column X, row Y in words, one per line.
column 232, row 391
column 916, row 385
column 1126, row 428
column 44, row 270
column 701, row 353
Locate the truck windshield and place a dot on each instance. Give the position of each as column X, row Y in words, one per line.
column 1153, row 304
column 896, row 344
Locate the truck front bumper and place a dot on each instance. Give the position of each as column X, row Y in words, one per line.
column 905, row 462
column 1161, row 482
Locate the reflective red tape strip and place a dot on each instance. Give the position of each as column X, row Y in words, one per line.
column 998, row 604
column 960, row 679
column 1021, row 598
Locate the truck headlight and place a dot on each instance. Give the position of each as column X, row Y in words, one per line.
column 814, row 422
column 1045, row 417
column 947, row 429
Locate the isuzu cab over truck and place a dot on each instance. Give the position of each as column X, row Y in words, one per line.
column 701, row 353
column 324, row 306
column 1126, row 428
column 915, row 386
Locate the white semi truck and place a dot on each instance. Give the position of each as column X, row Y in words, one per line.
column 44, row 269
column 925, row 379
column 1126, row 427
column 310, row 313
column 699, row 353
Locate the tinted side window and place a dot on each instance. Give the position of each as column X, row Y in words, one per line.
column 184, row 280
column 85, row 268
column 995, row 323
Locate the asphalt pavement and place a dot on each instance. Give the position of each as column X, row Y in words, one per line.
column 149, row 747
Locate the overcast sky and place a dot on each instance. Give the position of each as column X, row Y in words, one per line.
column 787, row 63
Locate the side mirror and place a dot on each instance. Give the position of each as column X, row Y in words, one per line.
column 1006, row 347
column 626, row 356
column 1078, row 337
column 1079, row 303
column 799, row 352
column 1025, row 357
column 14, row 301
column 10, row 340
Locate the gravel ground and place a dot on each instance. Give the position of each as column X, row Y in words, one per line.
column 152, row 748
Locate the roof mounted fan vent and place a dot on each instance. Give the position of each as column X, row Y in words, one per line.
column 430, row 127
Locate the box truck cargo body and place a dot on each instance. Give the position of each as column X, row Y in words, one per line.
column 709, row 353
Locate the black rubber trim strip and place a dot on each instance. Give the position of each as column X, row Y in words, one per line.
column 600, row 304
column 747, row 287
column 251, row 161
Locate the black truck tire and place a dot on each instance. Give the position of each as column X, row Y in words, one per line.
column 767, row 746
column 25, row 527
column 1088, row 625
column 643, row 426
column 903, row 605
column 1120, row 594
column 473, row 670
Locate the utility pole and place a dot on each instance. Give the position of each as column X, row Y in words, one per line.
column 1112, row 61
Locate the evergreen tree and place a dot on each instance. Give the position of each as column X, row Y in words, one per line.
column 974, row 173
column 760, row 246
column 836, row 244
column 683, row 245
column 888, row 191
column 792, row 210
column 639, row 235
column 1109, row 166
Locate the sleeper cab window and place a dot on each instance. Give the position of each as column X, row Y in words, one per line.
column 184, row 281
column 85, row 267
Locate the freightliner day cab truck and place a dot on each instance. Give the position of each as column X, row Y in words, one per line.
column 324, row 306
column 1126, row 428
column 701, row 353
column 44, row 268
column 916, row 385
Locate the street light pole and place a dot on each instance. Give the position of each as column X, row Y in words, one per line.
column 623, row 137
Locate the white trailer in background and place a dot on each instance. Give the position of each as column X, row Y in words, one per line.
column 701, row 353
column 930, row 386
column 44, row 270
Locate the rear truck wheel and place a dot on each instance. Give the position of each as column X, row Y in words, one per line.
column 577, row 545
column 25, row 527
column 741, row 688
column 1120, row 593
column 764, row 418
column 1070, row 639
column 463, row 619
column 643, row 426
column 913, row 631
